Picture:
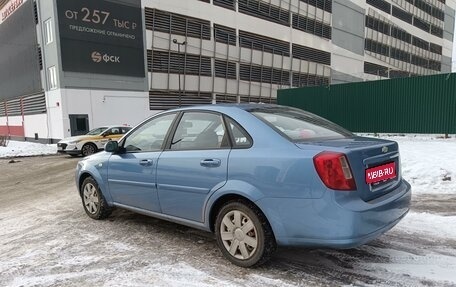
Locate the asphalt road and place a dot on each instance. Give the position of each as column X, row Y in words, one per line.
column 46, row 239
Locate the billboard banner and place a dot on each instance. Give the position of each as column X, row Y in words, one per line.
column 101, row 37
column 19, row 56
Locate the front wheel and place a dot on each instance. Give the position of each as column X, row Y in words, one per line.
column 244, row 234
column 93, row 200
column 88, row 149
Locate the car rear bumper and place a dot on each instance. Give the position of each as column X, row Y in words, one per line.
column 326, row 222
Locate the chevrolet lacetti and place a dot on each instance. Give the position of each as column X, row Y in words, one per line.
column 258, row 176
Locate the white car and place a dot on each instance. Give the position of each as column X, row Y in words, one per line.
column 91, row 142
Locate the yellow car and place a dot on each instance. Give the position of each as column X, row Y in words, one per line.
column 91, row 142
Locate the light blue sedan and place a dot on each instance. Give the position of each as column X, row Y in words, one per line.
column 259, row 176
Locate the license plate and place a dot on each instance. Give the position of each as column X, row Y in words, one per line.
column 380, row 173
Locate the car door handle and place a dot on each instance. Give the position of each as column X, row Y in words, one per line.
column 211, row 162
column 146, row 162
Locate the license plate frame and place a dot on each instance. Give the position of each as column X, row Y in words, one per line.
column 383, row 172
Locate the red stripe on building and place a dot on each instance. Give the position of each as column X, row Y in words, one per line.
column 12, row 131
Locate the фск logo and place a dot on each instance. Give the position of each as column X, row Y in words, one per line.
column 97, row 57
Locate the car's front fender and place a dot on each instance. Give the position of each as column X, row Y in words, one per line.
column 96, row 168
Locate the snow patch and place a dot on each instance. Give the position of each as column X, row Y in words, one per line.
column 16, row 149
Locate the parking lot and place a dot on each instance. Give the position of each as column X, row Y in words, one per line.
column 47, row 239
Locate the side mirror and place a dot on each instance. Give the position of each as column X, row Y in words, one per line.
column 111, row 146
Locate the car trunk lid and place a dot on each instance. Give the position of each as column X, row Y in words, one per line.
column 375, row 163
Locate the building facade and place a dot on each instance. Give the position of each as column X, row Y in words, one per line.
column 69, row 66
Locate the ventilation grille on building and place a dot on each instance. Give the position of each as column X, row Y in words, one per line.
column 399, row 55
column 163, row 100
column 14, row 107
column 401, row 34
column 308, row 80
column 378, row 25
column 434, row 48
column 177, row 24
column 420, row 43
column 34, row 104
column 262, row 43
column 227, row 99
column 173, row 62
column 421, row 24
column 376, row 47
column 253, row 99
column 311, row 54
column 225, row 3
column 40, row 58
column 262, row 74
column 374, row 69
column 437, row 31
column 311, row 26
column 225, row 69
column 380, row 4
column 35, row 12
column 265, row 11
column 223, row 34
column 325, row 5
column 403, row 15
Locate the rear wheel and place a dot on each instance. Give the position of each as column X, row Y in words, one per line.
column 93, row 200
column 88, row 149
column 244, row 234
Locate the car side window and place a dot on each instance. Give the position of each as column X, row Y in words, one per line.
column 113, row 131
column 241, row 138
column 149, row 136
column 199, row 130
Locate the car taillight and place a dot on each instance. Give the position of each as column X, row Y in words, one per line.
column 334, row 170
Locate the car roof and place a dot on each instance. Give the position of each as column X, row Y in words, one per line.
column 228, row 107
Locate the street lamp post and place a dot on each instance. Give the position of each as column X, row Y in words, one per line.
column 179, row 75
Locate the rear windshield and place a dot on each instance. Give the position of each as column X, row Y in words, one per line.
column 299, row 126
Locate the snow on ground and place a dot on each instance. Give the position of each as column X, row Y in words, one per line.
column 17, row 149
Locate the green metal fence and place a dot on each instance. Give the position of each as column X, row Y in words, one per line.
column 408, row 105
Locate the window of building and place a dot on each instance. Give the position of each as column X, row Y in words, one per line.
column 52, row 78
column 48, row 34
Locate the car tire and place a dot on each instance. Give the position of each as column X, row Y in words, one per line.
column 88, row 149
column 93, row 201
column 244, row 235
